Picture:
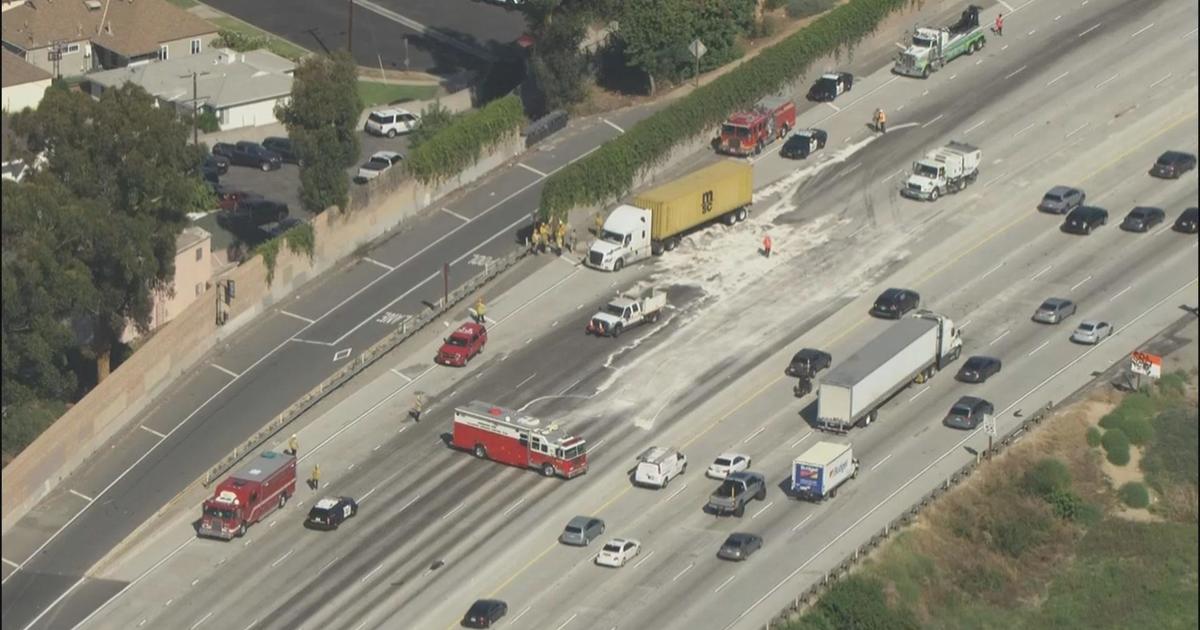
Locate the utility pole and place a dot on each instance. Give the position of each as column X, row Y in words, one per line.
column 195, row 103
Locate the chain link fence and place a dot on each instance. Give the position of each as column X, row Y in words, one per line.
column 809, row 597
column 406, row 328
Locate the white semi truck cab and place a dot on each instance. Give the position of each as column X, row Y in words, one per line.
column 948, row 169
column 624, row 239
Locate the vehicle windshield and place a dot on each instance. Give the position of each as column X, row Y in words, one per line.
column 737, row 131
column 571, row 529
column 721, row 461
column 1048, row 306
column 1052, row 197
column 975, row 364
column 825, row 84
column 922, row 42
column 224, row 515
column 573, row 452
column 318, row 514
column 376, row 164
column 1087, row 327
column 734, row 541
column 925, row 170
column 730, row 487
column 456, row 341
column 612, row 237
column 614, row 310
column 478, row 609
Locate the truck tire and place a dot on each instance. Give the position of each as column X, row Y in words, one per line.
column 762, row 495
column 833, row 493
column 282, row 499
column 653, row 317
column 740, row 510
column 480, row 451
column 265, row 166
column 666, row 482
column 868, row 419
column 758, row 148
column 619, row 265
column 730, row 219
column 925, row 72
column 616, row 331
column 241, row 529
column 741, row 214
column 547, row 470
column 933, row 195
column 671, row 243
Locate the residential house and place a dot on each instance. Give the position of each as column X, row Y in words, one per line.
column 23, row 83
column 193, row 273
column 242, row 89
column 68, row 38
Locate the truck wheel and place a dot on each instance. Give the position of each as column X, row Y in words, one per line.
column 741, row 214
column 739, row 511
column 671, row 243
column 241, row 529
column 619, row 265
column 762, row 495
column 869, row 418
column 925, row 72
column 391, row 133
column 666, row 482
column 933, row 195
column 547, row 470
column 731, row 218
column 833, row 493
column 480, row 452
column 617, row 331
column 282, row 499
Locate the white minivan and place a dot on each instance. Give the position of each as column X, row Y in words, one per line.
column 658, row 465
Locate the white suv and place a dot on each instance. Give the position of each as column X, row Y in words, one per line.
column 391, row 122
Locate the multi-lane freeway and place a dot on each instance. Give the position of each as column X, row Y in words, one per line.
column 1080, row 93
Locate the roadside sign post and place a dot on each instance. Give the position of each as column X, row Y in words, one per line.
column 445, row 285
column 697, row 48
column 1145, row 364
column 989, row 425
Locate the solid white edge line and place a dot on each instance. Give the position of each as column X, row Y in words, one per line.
column 128, row 586
column 225, row 370
column 299, row 317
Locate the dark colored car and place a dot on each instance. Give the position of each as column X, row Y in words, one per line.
column 462, row 344
column 216, row 163
column 484, row 612
column 1189, row 221
column 808, row 362
column 894, row 303
column 830, row 86
column 1084, row 219
column 739, row 546
column 282, row 146
column 1173, row 164
column 968, row 413
column 1141, row 219
column 1061, row 200
column 978, row 369
column 248, row 154
column 253, row 213
column 330, row 512
column 804, row 142
column 229, row 198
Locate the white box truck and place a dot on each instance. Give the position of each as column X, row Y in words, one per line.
column 818, row 472
column 945, row 170
column 912, row 349
column 658, row 465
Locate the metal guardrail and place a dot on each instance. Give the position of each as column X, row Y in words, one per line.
column 802, row 601
column 407, row 328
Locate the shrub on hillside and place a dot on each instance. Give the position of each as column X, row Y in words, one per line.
column 1093, row 437
column 1116, row 446
column 1135, row 495
column 1174, row 383
column 858, row 602
column 1171, row 457
column 457, row 146
column 797, row 9
column 1014, row 536
column 1047, row 477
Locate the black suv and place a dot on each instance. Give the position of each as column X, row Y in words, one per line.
column 484, row 612
column 968, row 413
column 1189, row 221
column 284, row 147
column 1173, row 164
column 330, row 512
column 1141, row 219
column 1084, row 219
column 253, row 212
column 808, row 362
column 894, row 303
column 248, row 154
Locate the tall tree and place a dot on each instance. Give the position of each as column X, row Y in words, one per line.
column 322, row 119
column 128, row 162
column 558, row 27
column 656, row 34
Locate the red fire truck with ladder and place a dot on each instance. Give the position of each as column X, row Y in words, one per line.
column 507, row 436
column 746, row 133
column 247, row 496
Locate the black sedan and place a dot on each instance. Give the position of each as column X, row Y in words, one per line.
column 1141, row 219
column 1084, row 219
column 804, row 142
column 1189, row 221
column 830, row 86
column 978, row 369
column 484, row 612
column 1173, row 164
column 894, row 303
column 968, row 413
column 739, row 546
column 330, row 512
column 808, row 362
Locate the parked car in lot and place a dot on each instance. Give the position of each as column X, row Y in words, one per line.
column 484, row 612
column 1054, row 310
column 249, row 154
column 1091, row 332
column 831, row 85
column 968, row 413
column 376, row 165
column 1062, row 199
column 464, row 343
column 803, row 143
column 978, row 369
column 739, row 546
column 1173, row 164
column 229, row 198
column 216, row 163
column 1085, row 219
column 616, row 552
column 808, row 362
column 1142, row 218
column 581, row 531
column 727, row 463
column 253, row 213
column 391, row 122
column 894, row 303
column 330, row 512
column 284, row 147
column 1189, row 221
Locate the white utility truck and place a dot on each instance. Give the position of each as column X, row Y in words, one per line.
column 624, row 312
column 945, row 170
column 818, row 472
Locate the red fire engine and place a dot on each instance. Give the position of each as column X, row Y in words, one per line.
column 263, row 485
column 507, row 436
column 746, row 133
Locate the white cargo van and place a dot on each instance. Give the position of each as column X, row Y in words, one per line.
column 658, row 465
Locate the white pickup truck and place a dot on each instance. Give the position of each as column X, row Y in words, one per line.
column 624, row 312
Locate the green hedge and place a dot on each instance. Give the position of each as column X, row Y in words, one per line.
column 1116, row 445
column 1093, row 437
column 460, row 145
column 609, row 172
column 1135, row 495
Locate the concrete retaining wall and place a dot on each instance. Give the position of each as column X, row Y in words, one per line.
column 175, row 348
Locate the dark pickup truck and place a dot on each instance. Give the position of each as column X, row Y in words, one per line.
column 736, row 491
column 250, row 212
column 248, row 154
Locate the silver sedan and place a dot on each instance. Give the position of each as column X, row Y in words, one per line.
column 1091, row 332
